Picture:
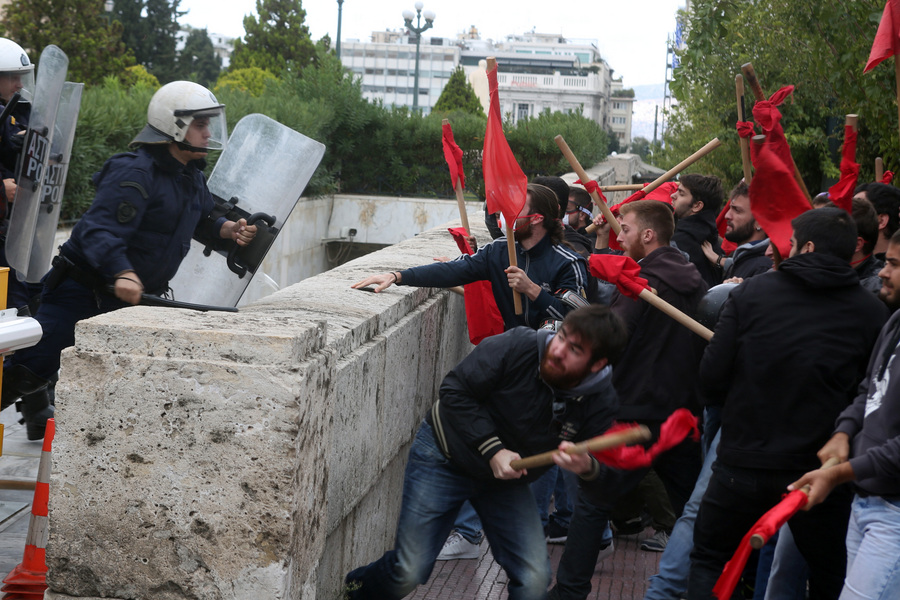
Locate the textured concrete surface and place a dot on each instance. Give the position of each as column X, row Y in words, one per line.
column 249, row 455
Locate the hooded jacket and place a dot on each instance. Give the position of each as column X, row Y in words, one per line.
column 789, row 349
column 748, row 260
column 657, row 373
column 550, row 265
column 495, row 399
column 690, row 233
column 873, row 420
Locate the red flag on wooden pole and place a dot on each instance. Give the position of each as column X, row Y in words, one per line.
column 841, row 193
column 453, row 154
column 482, row 314
column 775, row 197
column 887, row 43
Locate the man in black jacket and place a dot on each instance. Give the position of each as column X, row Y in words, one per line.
column 697, row 201
column 788, row 352
column 656, row 376
column 517, row 394
column 749, row 258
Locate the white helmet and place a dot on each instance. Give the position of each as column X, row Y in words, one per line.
column 14, row 61
column 172, row 109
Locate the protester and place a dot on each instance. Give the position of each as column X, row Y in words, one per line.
column 493, row 409
column 782, row 378
column 697, row 201
column 132, row 239
column 886, row 200
column 866, row 265
column 749, row 258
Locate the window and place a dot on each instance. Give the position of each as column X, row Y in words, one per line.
column 619, row 106
column 522, row 111
column 618, row 120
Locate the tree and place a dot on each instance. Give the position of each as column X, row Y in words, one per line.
column 149, row 30
column 277, row 40
column 198, row 60
column 641, row 147
column 459, row 95
column 818, row 47
column 94, row 45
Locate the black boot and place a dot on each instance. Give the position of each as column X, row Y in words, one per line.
column 19, row 380
column 36, row 409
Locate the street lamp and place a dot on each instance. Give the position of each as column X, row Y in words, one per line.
column 417, row 31
column 108, row 9
column 338, row 47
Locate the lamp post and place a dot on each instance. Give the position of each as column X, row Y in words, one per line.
column 108, row 10
column 338, row 46
column 417, row 31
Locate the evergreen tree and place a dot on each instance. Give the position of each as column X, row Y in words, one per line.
column 459, row 95
column 276, row 40
column 79, row 27
column 149, row 30
column 198, row 61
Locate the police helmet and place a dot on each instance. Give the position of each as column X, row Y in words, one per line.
column 14, row 62
column 172, row 110
column 710, row 306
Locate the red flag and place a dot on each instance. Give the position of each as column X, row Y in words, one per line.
column 675, row 430
column 769, row 119
column 727, row 246
column 454, row 155
column 482, row 313
column 888, row 177
column 841, row 193
column 766, row 526
column 620, row 270
column 504, row 182
column 887, row 39
column 775, row 198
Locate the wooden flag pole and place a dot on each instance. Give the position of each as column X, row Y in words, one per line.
column 668, row 309
column 709, row 147
column 583, row 176
column 879, row 169
column 602, row 442
column 852, row 121
column 756, row 88
column 628, row 187
column 745, row 143
column 511, row 249
column 460, row 199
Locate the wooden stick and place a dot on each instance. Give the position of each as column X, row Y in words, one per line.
column 750, row 76
column 757, row 541
column 457, row 289
column 879, row 169
column 602, row 442
column 460, row 200
column 709, row 147
column 852, row 121
column 576, row 166
column 745, row 143
column 628, row 187
column 676, row 314
column 511, row 250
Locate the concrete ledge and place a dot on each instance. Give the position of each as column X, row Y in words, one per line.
column 249, row 455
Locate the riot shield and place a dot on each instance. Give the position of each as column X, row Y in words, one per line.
column 260, row 176
column 35, row 158
column 42, row 247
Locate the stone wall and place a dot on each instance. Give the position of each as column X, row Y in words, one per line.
column 250, row 455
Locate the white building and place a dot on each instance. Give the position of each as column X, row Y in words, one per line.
column 223, row 45
column 537, row 72
column 621, row 110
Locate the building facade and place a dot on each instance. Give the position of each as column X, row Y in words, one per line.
column 620, row 113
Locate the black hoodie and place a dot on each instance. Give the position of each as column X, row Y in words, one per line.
column 690, row 233
column 788, row 352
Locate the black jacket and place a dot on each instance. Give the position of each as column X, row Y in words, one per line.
column 788, row 352
column 868, row 271
column 496, row 399
column 657, row 373
column 690, row 233
column 748, row 260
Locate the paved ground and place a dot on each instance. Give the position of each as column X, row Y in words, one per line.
column 622, row 576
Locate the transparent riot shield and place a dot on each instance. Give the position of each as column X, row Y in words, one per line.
column 42, row 248
column 261, row 174
column 34, row 164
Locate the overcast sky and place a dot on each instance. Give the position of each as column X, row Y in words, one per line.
column 631, row 35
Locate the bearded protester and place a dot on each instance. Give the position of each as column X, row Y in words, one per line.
column 519, row 393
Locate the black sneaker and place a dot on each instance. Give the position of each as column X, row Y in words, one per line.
column 556, row 533
column 656, row 543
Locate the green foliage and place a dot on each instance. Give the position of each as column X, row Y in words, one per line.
column 626, row 93
column 251, row 80
column 149, row 30
column 458, row 94
column 532, row 141
column 819, row 47
column 78, row 27
column 644, row 148
column 138, row 75
column 275, row 41
column 198, row 61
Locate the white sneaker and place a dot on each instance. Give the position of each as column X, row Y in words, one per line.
column 457, row 548
column 606, row 552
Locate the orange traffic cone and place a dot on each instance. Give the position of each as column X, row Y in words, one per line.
column 29, row 580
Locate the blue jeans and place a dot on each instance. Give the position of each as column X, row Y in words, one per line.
column 787, row 580
column 562, row 486
column 468, row 524
column 675, row 564
column 873, row 550
column 433, row 492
